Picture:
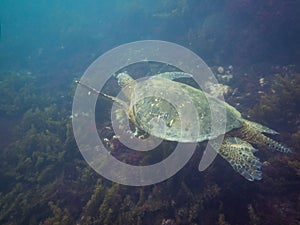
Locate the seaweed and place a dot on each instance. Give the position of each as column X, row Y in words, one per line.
column 19, row 92
column 221, row 220
column 60, row 216
column 254, row 219
column 36, row 163
column 279, row 107
column 48, row 182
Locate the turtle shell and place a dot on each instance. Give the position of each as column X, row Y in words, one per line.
column 178, row 112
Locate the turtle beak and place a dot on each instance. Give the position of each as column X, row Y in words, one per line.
column 123, row 79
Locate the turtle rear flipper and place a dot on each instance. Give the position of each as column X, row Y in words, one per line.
column 239, row 154
column 274, row 145
column 253, row 133
column 260, row 128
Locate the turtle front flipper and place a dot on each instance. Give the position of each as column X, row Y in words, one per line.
column 239, row 154
column 173, row 75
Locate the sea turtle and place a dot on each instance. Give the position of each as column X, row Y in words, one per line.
column 154, row 115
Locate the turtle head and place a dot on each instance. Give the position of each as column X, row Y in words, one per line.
column 124, row 79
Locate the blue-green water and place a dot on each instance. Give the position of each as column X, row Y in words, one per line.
column 46, row 45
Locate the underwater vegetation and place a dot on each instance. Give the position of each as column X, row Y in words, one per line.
column 16, row 91
column 34, row 163
column 281, row 107
column 44, row 179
